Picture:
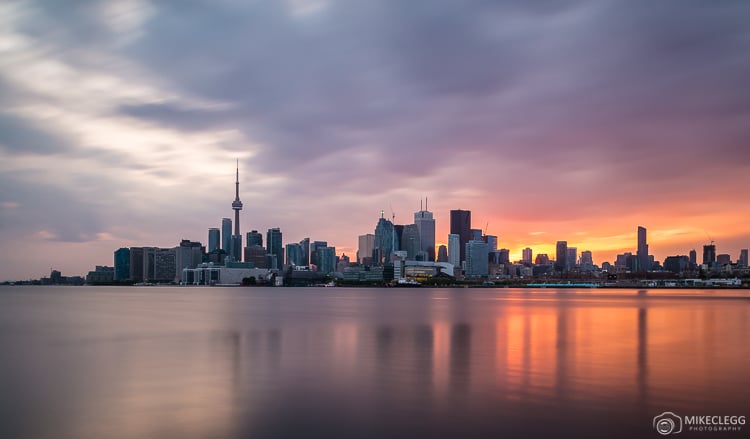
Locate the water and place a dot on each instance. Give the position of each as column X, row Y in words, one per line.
column 96, row 362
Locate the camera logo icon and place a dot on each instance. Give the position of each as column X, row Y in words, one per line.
column 667, row 423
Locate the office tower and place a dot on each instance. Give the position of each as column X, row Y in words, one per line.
column 502, row 256
column 237, row 248
column 476, row 235
column 723, row 259
column 256, row 256
column 709, row 255
column 491, row 241
column 571, row 257
column 226, row 235
column 326, row 259
column 122, row 263
column 526, row 257
column 136, row 264
column 254, row 238
column 693, row 258
column 189, row 254
column 561, row 256
column 165, row 265
column 274, row 247
column 384, row 241
column 743, row 258
column 410, row 241
column 294, row 255
column 398, row 232
column 305, row 243
column 587, row 259
column 642, row 251
column 214, row 239
column 442, row 254
column 461, row 226
column 477, row 258
column 541, row 259
column 426, row 225
column 454, row 249
column 366, row 246
column 314, row 251
column 676, row 264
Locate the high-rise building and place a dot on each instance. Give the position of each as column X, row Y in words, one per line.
column 526, row 257
column 477, row 260
column 572, row 258
column 294, row 255
column 461, row 226
column 326, row 259
column 256, row 256
column 491, row 241
column 410, row 241
column 642, row 251
column 561, row 256
column 426, row 225
column 541, row 259
column 587, row 260
column 254, row 238
column 723, row 259
column 136, row 264
column 398, row 232
column 226, row 235
column 709, row 255
column 442, row 254
column 743, row 258
column 693, row 259
column 476, row 234
column 305, row 243
column 314, row 251
column 122, row 263
column 214, row 239
column 274, row 247
column 384, row 241
column 676, row 264
column 454, row 250
column 366, row 246
column 165, row 265
column 189, row 254
column 237, row 206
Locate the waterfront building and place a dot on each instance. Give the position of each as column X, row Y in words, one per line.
column 693, row 259
column 326, row 259
column 677, row 264
column 571, row 258
column 294, row 255
column 743, row 258
column 122, row 264
column 384, row 241
column 314, row 251
column 256, row 256
column 136, row 264
column 165, row 265
column 189, row 254
column 461, row 226
column 587, row 260
column 305, row 244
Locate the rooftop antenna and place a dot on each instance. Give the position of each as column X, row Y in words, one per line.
column 709, row 237
column 487, row 226
column 393, row 214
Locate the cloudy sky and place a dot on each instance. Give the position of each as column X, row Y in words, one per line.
column 550, row 120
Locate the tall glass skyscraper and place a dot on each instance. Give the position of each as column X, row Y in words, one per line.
column 461, row 226
column 426, row 225
column 214, row 238
column 384, row 241
column 642, row 251
column 226, row 235
column 454, row 250
column 274, row 246
column 561, row 256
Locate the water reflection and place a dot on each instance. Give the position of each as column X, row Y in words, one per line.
column 367, row 363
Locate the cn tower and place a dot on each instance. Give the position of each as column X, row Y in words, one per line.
column 237, row 204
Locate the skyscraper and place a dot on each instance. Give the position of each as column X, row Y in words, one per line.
column 410, row 241
column 314, row 251
column 572, row 258
column 461, row 226
column 561, row 256
column 709, row 255
column 226, row 235
column 366, row 245
column 214, row 238
column 454, row 250
column 527, row 255
column 326, row 259
column 122, row 263
column 442, row 254
column 477, row 258
column 254, row 238
column 237, row 206
column 274, row 247
column 294, row 254
column 642, row 251
column 693, row 259
column 743, row 258
column 426, row 225
column 305, row 243
column 385, row 237
column 491, row 241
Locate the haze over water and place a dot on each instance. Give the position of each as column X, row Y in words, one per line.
column 98, row 362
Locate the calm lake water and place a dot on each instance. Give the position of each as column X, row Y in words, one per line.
column 170, row 362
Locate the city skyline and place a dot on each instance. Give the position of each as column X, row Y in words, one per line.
column 122, row 122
